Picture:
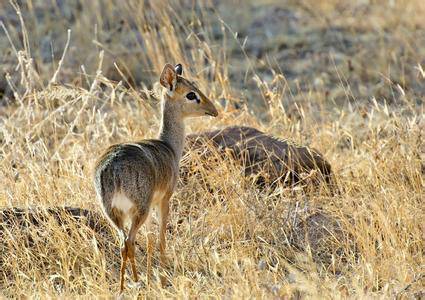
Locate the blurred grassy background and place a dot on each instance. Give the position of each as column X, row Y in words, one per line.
column 343, row 76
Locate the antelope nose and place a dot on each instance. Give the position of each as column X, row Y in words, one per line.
column 212, row 111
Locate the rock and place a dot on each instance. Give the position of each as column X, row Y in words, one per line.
column 321, row 233
column 268, row 159
column 14, row 216
column 39, row 234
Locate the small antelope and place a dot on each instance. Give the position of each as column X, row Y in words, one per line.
column 132, row 178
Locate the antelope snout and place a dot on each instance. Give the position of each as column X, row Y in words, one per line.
column 210, row 109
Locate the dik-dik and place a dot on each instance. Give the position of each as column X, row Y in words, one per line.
column 132, row 178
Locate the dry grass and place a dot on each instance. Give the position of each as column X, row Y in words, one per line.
column 357, row 97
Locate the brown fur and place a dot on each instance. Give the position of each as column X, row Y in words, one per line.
column 138, row 170
column 132, row 177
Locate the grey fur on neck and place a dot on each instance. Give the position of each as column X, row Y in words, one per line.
column 172, row 125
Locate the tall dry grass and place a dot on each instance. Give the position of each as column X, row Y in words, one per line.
column 231, row 240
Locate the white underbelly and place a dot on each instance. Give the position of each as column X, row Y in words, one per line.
column 122, row 203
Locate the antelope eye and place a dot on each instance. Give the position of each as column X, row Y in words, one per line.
column 191, row 96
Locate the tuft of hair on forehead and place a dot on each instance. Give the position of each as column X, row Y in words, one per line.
column 191, row 85
column 184, row 81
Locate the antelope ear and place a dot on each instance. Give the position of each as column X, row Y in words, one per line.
column 179, row 69
column 168, row 77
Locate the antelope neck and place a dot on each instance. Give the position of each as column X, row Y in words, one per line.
column 172, row 125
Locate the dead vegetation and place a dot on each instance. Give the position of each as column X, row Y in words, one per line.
column 345, row 78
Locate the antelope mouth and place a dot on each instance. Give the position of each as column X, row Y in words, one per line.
column 212, row 113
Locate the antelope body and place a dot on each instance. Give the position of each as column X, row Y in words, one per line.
column 131, row 178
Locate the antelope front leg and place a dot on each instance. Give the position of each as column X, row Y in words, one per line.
column 164, row 209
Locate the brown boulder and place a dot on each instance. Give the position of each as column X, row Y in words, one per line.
column 35, row 237
column 266, row 158
column 27, row 217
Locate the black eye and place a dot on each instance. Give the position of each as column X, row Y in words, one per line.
column 191, row 96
